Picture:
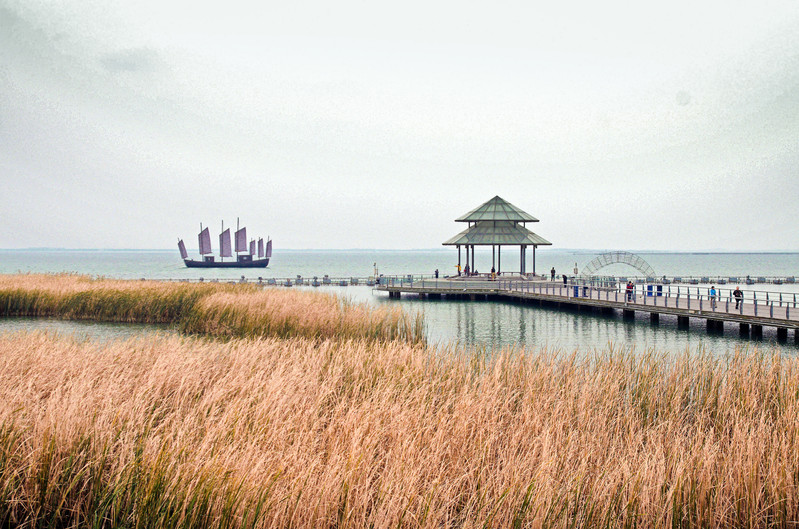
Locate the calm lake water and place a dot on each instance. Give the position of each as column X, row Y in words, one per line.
column 482, row 323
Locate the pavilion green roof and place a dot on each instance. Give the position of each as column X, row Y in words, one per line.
column 497, row 209
column 501, row 233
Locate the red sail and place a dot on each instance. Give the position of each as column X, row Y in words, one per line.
column 224, row 243
column 205, row 242
column 182, row 247
column 241, row 240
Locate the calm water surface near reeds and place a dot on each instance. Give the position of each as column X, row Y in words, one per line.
column 88, row 330
column 491, row 324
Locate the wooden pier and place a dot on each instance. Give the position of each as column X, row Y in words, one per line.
column 751, row 315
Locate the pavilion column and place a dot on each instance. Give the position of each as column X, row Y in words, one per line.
column 521, row 260
column 499, row 259
column 459, row 259
column 473, row 258
column 534, row 259
column 493, row 256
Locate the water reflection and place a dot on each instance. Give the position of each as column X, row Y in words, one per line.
column 83, row 330
column 496, row 323
column 492, row 324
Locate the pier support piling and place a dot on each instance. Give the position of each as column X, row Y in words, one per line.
column 628, row 314
column 757, row 331
column 682, row 322
column 654, row 318
column 744, row 329
column 715, row 326
column 782, row 334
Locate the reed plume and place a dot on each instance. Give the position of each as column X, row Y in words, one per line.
column 177, row 432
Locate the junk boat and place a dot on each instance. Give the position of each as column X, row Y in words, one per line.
column 254, row 255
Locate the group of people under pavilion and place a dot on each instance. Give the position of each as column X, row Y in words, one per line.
column 496, row 223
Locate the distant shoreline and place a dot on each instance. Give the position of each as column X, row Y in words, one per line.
column 441, row 250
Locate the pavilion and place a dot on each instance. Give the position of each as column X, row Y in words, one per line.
column 497, row 223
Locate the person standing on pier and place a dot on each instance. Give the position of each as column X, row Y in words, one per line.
column 739, row 297
column 565, row 279
column 552, row 273
column 713, row 297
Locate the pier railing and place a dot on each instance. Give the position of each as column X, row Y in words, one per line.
column 752, row 303
column 694, row 279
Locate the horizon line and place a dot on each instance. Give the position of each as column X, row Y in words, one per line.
column 546, row 249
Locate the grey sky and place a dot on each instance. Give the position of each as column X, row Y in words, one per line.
column 354, row 124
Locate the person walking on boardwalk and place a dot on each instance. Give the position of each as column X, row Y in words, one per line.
column 629, row 290
column 552, row 273
column 565, row 279
column 713, row 297
column 493, row 273
column 739, row 297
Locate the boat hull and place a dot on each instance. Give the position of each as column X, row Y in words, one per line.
column 255, row 263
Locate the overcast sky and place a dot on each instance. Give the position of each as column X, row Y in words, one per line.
column 361, row 124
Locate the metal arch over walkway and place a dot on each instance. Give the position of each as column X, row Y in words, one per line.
column 628, row 258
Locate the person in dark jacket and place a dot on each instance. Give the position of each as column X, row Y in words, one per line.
column 739, row 296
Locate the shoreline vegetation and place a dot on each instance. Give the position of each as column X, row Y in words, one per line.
column 302, row 427
column 214, row 309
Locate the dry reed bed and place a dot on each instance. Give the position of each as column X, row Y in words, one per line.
column 217, row 309
column 181, row 432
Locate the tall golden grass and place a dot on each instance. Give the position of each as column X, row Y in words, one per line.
column 181, row 432
column 216, row 309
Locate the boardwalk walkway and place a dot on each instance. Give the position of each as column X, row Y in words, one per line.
column 758, row 309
